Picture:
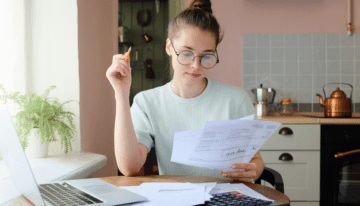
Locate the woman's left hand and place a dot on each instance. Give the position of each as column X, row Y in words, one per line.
column 248, row 175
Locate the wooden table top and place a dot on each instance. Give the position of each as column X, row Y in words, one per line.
column 268, row 192
column 280, row 198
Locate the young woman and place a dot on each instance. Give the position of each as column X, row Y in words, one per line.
column 185, row 103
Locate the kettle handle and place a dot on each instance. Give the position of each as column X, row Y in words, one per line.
column 273, row 90
column 339, row 83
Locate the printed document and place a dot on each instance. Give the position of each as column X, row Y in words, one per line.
column 222, row 143
column 170, row 193
column 164, row 194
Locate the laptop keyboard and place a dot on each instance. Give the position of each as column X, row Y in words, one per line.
column 65, row 194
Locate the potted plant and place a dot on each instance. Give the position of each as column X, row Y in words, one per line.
column 42, row 116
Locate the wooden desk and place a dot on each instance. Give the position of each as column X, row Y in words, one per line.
column 280, row 198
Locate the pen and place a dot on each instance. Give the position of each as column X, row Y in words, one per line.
column 126, row 59
column 128, row 55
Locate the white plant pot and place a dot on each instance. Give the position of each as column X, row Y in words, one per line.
column 35, row 149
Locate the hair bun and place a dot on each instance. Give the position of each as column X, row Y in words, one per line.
column 204, row 5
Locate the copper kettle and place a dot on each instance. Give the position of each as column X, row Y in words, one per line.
column 337, row 105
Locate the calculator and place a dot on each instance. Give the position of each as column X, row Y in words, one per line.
column 234, row 198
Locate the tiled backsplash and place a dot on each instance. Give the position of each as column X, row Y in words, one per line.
column 297, row 66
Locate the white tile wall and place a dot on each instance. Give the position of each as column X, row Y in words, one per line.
column 299, row 65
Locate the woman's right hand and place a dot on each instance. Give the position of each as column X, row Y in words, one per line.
column 119, row 74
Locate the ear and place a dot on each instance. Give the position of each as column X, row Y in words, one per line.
column 168, row 46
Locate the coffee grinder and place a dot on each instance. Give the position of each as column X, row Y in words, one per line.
column 261, row 99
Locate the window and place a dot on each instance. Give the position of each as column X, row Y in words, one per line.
column 13, row 48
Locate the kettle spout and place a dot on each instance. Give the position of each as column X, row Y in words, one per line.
column 321, row 99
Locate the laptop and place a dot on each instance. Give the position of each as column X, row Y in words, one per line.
column 92, row 191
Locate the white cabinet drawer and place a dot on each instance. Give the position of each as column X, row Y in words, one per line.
column 301, row 175
column 304, row 137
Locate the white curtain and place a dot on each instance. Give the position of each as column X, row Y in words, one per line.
column 13, row 64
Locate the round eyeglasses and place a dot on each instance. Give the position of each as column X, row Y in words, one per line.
column 187, row 57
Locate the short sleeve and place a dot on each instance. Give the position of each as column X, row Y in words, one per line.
column 141, row 122
column 247, row 107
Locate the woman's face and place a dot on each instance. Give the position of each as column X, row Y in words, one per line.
column 200, row 43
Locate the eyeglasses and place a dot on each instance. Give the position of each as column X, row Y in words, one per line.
column 187, row 57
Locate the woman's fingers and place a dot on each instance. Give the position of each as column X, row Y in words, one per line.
column 117, row 71
column 240, row 176
column 248, row 173
column 120, row 65
column 123, row 72
column 119, row 74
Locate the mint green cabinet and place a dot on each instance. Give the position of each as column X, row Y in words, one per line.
column 301, row 174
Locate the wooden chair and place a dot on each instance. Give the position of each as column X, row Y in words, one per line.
column 269, row 175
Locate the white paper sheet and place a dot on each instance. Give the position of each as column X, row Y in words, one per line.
column 164, row 193
column 221, row 188
column 160, row 194
column 242, row 188
column 222, row 143
column 208, row 187
column 183, row 143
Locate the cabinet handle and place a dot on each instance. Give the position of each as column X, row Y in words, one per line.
column 286, row 131
column 285, row 157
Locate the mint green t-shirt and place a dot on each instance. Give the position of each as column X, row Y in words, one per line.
column 158, row 113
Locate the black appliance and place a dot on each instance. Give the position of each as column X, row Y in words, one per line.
column 340, row 165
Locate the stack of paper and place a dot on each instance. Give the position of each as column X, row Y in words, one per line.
column 222, row 143
column 183, row 194
column 175, row 194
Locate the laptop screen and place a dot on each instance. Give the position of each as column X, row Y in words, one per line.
column 16, row 160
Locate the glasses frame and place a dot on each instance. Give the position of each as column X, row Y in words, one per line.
column 217, row 57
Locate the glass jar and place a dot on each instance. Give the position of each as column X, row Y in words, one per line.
column 285, row 107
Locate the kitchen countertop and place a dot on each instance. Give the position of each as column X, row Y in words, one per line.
column 310, row 118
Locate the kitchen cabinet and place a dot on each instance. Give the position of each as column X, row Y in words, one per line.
column 294, row 151
column 303, row 137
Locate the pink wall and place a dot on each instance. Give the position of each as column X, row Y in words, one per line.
column 98, row 22
column 238, row 17
column 98, row 43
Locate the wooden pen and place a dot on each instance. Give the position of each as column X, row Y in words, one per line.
column 118, row 74
column 128, row 55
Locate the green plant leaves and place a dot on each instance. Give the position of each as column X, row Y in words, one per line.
column 44, row 113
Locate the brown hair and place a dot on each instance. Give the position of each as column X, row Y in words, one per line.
column 198, row 14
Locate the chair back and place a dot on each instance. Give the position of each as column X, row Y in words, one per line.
column 151, row 166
